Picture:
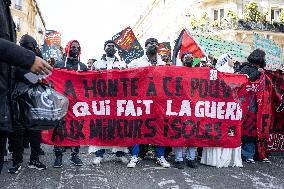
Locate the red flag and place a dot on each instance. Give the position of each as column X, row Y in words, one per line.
column 188, row 44
column 185, row 43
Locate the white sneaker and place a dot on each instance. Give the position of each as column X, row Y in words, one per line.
column 163, row 162
column 265, row 160
column 250, row 161
column 97, row 161
column 132, row 163
column 123, row 159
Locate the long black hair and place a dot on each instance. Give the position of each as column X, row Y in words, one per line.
column 257, row 57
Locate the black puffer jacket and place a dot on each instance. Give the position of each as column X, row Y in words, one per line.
column 251, row 70
column 10, row 55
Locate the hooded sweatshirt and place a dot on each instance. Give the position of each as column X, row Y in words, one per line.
column 28, row 42
column 251, row 70
column 71, row 63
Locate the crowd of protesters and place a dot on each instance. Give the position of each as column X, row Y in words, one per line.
column 29, row 59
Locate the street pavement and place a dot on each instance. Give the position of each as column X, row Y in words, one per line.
column 147, row 174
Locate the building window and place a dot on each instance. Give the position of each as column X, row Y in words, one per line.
column 275, row 13
column 218, row 14
column 17, row 21
column 221, row 14
column 18, row 4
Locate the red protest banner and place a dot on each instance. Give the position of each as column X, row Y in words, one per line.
column 273, row 111
column 263, row 107
column 162, row 105
column 248, row 102
column 256, row 111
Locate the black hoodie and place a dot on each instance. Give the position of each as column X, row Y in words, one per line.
column 28, row 42
column 251, row 70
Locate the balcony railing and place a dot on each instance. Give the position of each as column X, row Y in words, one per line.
column 266, row 26
column 19, row 7
column 240, row 25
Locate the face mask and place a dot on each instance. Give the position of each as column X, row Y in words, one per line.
column 188, row 63
column 110, row 52
column 152, row 50
column 73, row 53
column 74, row 50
